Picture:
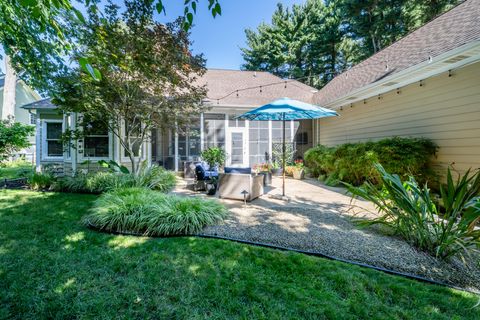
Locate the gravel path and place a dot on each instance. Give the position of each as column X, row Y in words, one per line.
column 319, row 219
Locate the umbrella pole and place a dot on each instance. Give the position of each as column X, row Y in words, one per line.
column 283, row 151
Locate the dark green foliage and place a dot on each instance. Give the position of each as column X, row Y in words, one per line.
column 444, row 230
column 13, row 137
column 151, row 177
column 42, row 181
column 54, row 267
column 319, row 39
column 214, row 156
column 142, row 211
column 354, row 162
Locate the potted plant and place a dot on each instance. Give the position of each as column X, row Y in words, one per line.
column 214, row 157
column 265, row 170
column 299, row 170
column 276, row 169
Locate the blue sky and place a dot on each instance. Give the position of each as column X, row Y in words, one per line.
column 220, row 39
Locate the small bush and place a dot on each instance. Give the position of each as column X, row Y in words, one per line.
column 155, row 178
column 354, row 162
column 42, row 181
column 443, row 230
column 152, row 177
column 143, row 211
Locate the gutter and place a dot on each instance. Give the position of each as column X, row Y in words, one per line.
column 420, row 71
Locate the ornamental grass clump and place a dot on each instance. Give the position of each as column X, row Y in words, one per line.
column 444, row 228
column 147, row 212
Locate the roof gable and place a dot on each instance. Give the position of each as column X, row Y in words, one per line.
column 451, row 30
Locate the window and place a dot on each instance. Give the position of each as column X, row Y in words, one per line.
column 53, row 144
column 95, row 140
column 214, row 130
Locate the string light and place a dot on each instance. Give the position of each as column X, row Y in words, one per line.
column 292, row 80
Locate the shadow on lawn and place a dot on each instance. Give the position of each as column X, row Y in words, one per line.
column 55, row 267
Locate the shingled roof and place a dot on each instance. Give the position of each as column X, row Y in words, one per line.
column 457, row 27
column 222, row 85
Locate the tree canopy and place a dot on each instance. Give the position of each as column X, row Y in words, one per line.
column 39, row 35
column 319, row 39
column 149, row 78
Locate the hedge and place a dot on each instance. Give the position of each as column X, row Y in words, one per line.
column 354, row 162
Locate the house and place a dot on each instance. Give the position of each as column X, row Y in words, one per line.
column 427, row 84
column 23, row 95
column 230, row 93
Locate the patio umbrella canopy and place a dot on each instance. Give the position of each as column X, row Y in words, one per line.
column 287, row 109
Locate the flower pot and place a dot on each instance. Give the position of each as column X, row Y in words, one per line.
column 211, row 188
column 298, row 174
column 267, row 178
column 277, row 171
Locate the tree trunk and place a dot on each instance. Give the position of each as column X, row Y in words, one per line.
column 8, row 109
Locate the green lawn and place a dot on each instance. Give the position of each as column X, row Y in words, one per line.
column 52, row 267
column 16, row 170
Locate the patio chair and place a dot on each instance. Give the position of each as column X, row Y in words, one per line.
column 203, row 175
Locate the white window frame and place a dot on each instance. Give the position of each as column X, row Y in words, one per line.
column 81, row 150
column 45, row 155
column 68, row 124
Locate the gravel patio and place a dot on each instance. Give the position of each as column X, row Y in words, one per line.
column 319, row 219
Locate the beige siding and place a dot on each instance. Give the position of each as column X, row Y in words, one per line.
column 445, row 109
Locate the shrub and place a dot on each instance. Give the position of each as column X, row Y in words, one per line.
column 143, row 211
column 443, row 230
column 155, row 178
column 214, row 156
column 152, row 177
column 354, row 162
column 42, row 181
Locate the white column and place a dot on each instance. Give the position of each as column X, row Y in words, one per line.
column 246, row 152
column 270, row 139
column 202, row 134
column 292, row 134
column 176, row 148
column 73, row 150
column 38, row 144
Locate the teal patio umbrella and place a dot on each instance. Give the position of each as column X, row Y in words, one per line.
column 287, row 109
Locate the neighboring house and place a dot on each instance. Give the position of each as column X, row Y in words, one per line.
column 425, row 85
column 246, row 142
column 23, row 95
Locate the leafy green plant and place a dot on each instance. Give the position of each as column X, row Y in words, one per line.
column 442, row 229
column 13, row 137
column 113, row 166
column 354, row 162
column 277, row 154
column 214, row 156
column 155, row 178
column 151, row 177
column 143, row 211
column 42, row 181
